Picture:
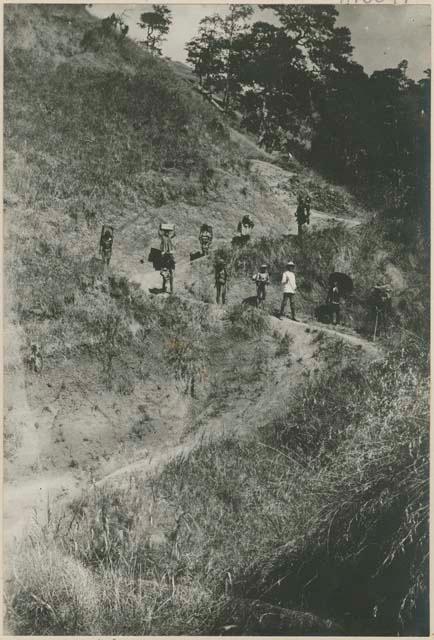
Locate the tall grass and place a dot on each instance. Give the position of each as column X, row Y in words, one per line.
column 324, row 508
column 364, row 254
column 325, row 511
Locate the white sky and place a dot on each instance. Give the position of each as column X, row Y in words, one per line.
column 382, row 35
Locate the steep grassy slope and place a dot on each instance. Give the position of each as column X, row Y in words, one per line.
column 110, row 116
column 306, row 516
column 106, row 134
column 313, row 504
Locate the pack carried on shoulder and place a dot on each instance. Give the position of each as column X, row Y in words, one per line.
column 106, row 240
column 221, row 276
column 247, row 221
column 381, row 295
column 206, row 229
column 261, row 277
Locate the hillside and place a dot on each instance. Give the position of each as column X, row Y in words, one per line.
column 178, row 467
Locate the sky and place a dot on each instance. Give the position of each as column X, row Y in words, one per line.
column 382, row 36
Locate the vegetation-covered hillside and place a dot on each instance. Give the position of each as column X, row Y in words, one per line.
column 207, row 470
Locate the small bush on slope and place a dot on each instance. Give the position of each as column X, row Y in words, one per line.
column 246, row 321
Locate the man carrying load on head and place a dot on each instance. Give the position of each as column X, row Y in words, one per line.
column 166, row 233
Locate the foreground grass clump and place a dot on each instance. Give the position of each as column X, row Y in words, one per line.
column 324, row 511
column 61, row 594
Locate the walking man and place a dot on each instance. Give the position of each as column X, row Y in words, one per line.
column 166, row 233
column 262, row 279
column 289, row 289
column 167, row 270
column 221, row 279
column 35, row 360
column 106, row 244
column 244, row 228
column 205, row 238
column 334, row 300
column 381, row 300
column 302, row 213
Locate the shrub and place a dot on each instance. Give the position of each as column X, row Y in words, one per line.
column 104, row 325
column 53, row 594
column 247, row 321
column 283, row 344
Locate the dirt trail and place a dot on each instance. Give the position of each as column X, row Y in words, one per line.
column 277, row 179
column 30, row 490
column 37, row 488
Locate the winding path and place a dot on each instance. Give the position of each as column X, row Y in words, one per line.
column 23, row 498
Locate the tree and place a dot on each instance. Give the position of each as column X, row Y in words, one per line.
column 214, row 52
column 156, row 23
column 282, row 66
column 112, row 28
column 233, row 26
column 204, row 52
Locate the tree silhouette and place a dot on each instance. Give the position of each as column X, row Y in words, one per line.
column 214, row 52
column 156, row 23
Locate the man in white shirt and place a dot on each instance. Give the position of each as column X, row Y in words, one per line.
column 289, row 289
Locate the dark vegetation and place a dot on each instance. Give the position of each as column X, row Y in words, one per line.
column 298, row 88
column 319, row 519
column 156, row 24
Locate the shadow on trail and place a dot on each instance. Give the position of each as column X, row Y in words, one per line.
column 156, row 290
column 251, row 301
column 156, row 258
column 196, row 255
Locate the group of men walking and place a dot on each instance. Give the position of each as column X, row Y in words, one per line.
column 166, row 233
column 262, row 280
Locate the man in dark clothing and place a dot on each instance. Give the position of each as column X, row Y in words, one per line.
column 334, row 300
column 244, row 228
column 221, row 279
column 381, row 301
column 167, row 269
column 35, row 360
column 302, row 213
column 106, row 244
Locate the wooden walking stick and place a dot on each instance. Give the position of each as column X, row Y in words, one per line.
column 376, row 324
